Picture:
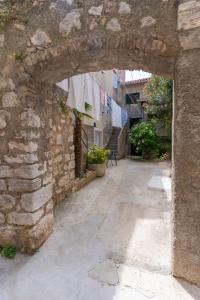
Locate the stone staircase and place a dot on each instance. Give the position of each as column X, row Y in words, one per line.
column 113, row 142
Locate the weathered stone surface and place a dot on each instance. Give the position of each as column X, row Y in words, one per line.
column 22, row 218
column 39, row 233
column 30, row 147
column 4, row 115
column 63, row 180
column 10, row 100
column 2, row 218
column 2, row 122
column 30, row 119
column 113, row 25
column 7, row 235
column 124, row 8
column 3, row 186
column 21, row 185
column 2, row 40
column 7, row 202
column 40, row 38
column 49, row 206
column 29, row 172
column 190, row 39
column 33, row 201
column 30, row 135
column 71, row 20
column 21, row 158
column 71, row 164
column 189, row 15
column 5, row 172
column 147, row 21
column 96, row 10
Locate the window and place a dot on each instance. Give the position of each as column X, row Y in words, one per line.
column 132, row 98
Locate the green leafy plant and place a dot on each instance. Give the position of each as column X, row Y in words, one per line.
column 159, row 93
column 8, row 251
column 88, row 107
column 97, row 155
column 20, row 56
column 145, row 139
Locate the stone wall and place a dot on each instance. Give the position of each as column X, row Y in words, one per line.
column 37, row 165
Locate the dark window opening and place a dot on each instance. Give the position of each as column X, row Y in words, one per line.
column 132, row 98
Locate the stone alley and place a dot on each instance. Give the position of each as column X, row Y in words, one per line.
column 111, row 242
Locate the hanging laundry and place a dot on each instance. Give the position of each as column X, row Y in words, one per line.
column 103, row 96
column 115, row 81
column 109, row 105
column 116, row 115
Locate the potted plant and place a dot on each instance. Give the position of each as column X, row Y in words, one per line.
column 97, row 158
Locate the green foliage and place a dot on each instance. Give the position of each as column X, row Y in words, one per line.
column 88, row 107
column 159, row 92
column 64, row 108
column 80, row 115
column 8, row 251
column 145, row 139
column 97, row 155
column 20, row 56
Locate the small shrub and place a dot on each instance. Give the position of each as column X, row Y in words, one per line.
column 8, row 251
column 97, row 155
column 145, row 139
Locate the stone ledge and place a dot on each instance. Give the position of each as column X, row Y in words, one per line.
column 80, row 183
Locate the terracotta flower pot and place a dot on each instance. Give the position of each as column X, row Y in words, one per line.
column 100, row 169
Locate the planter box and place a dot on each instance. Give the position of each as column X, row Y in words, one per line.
column 100, row 169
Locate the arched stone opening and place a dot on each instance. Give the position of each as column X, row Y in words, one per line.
column 55, row 40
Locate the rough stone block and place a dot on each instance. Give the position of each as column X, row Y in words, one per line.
column 67, row 157
column 189, row 15
column 40, row 232
column 33, row 201
column 30, row 135
column 21, row 158
column 9, row 100
column 3, row 123
column 49, row 206
column 30, row 119
column 7, row 235
column 63, row 180
column 21, row 185
column 30, row 147
column 124, row 8
column 29, row 172
column 40, row 38
column 71, row 20
column 71, row 164
column 5, row 171
column 2, row 218
column 24, row 218
column 3, row 186
column 7, row 202
column 96, row 10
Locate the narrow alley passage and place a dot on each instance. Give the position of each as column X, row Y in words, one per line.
column 111, row 242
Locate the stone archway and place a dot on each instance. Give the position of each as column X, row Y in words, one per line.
column 42, row 42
